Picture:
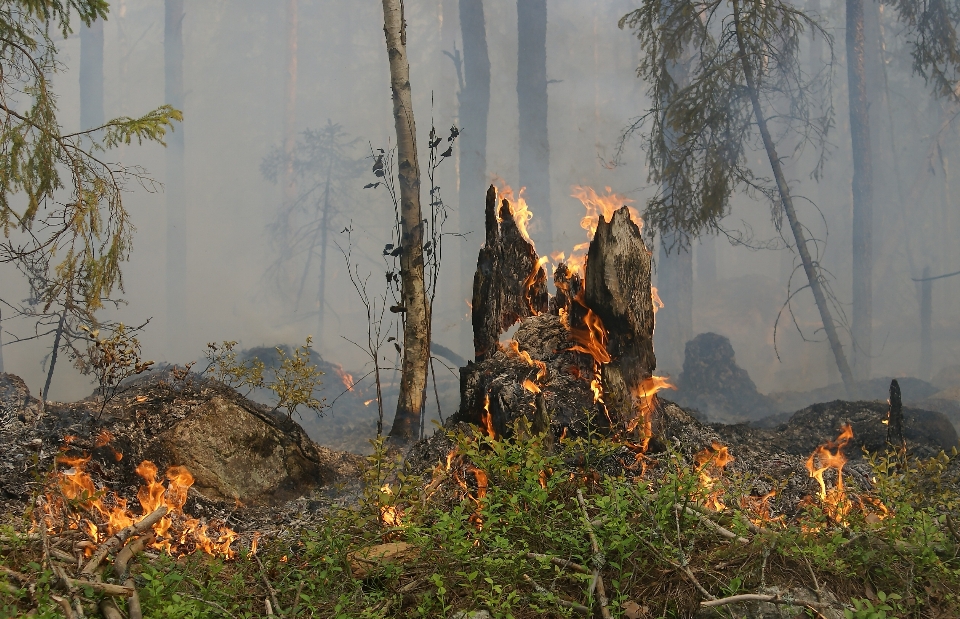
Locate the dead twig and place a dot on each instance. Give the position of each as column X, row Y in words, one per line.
column 383, row 607
column 270, row 590
column 580, row 608
column 953, row 528
column 696, row 583
column 598, row 559
column 267, row 607
column 210, row 604
column 724, row 532
column 118, row 538
column 64, row 606
column 566, row 563
column 133, row 601
column 761, row 597
column 296, row 600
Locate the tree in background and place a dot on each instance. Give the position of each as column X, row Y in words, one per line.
column 288, row 184
column 474, row 99
column 175, row 189
column 324, row 164
column 744, row 70
column 415, row 306
column 66, row 229
column 532, row 102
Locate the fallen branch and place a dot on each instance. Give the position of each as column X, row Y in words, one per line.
column 696, row 583
column 64, row 605
column 122, row 565
column 117, row 539
column 727, row 533
column 133, row 601
column 270, row 590
column 598, row 559
column 109, row 610
column 580, row 608
column 383, row 607
column 761, row 597
column 105, row 588
column 566, row 563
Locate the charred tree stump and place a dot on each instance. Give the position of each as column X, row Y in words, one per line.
column 895, row 417
column 617, row 290
column 510, row 283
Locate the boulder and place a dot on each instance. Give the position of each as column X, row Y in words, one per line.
column 236, row 449
column 712, row 383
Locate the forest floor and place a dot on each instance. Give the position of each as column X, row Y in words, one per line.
column 526, row 528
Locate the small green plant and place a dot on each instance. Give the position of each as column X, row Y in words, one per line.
column 293, row 380
column 865, row 609
column 111, row 360
column 222, row 365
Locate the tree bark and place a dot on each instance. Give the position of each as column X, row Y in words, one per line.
column 862, row 319
column 91, row 75
column 707, row 259
column 532, row 101
column 509, row 283
column 617, row 289
column 416, row 336
column 675, row 287
column 809, row 268
column 175, row 182
column 474, row 102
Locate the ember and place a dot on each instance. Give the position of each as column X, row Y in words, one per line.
column 710, row 464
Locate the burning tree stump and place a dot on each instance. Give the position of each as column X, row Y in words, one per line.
column 510, row 283
column 617, row 290
column 589, row 363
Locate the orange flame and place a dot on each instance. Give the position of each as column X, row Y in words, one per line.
column 591, row 338
column 830, row 456
column 487, row 418
column 644, row 398
column 713, row 460
column 75, row 484
column 531, row 386
column 655, row 297
column 345, row 378
column 518, row 205
column 530, row 281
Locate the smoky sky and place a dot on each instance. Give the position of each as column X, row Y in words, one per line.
column 234, row 68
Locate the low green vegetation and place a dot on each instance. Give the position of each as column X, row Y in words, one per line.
column 518, row 527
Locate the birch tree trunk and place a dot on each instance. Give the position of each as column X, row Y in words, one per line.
column 416, row 336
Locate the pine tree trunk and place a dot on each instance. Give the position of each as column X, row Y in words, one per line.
column 809, row 269
column 175, row 189
column 707, row 260
column 416, row 336
column 862, row 319
column 675, row 287
column 532, row 101
column 322, row 283
column 91, row 75
column 474, row 108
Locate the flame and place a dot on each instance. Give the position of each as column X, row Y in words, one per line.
column 758, row 508
column 487, row 418
column 345, row 377
column 104, row 437
column 176, row 532
column 830, row 456
column 655, row 297
column 531, row 386
column 390, row 515
column 591, row 338
column 645, row 401
column 518, row 205
column 367, row 402
column 530, row 281
column 710, row 464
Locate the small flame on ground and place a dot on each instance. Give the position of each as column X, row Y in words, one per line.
column 710, row 464
column 645, row 401
column 830, row 456
column 531, row 386
column 190, row 533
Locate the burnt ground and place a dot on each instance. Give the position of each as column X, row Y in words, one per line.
column 310, row 479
